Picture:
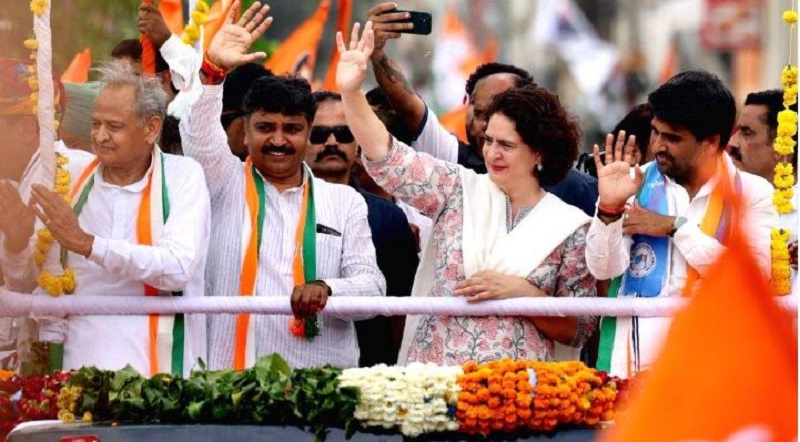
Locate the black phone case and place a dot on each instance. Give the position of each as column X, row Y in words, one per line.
column 423, row 22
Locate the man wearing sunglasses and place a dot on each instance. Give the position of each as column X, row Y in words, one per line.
column 331, row 154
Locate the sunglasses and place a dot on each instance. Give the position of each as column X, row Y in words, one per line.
column 320, row 134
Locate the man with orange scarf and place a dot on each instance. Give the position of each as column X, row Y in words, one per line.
column 661, row 227
column 277, row 229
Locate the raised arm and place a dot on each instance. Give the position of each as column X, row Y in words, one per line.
column 429, row 135
column 368, row 130
column 394, row 84
column 202, row 134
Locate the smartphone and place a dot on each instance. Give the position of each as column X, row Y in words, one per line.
column 422, row 22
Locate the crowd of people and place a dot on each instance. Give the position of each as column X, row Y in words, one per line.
column 259, row 186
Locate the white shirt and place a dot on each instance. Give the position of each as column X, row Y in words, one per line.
column 608, row 256
column 346, row 262
column 435, row 140
column 118, row 266
column 608, row 251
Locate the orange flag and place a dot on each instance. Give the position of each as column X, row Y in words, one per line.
column 216, row 18
column 78, row 69
column 298, row 53
column 728, row 370
column 455, row 122
column 342, row 25
column 172, row 11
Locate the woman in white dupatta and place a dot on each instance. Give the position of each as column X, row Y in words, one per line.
column 495, row 236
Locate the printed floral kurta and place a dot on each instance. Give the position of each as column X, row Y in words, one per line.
column 435, row 188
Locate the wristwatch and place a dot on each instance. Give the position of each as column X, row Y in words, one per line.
column 679, row 221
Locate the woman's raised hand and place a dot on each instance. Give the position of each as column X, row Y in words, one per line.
column 353, row 61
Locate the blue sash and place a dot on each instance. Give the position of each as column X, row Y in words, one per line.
column 647, row 272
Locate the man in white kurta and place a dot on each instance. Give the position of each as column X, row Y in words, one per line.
column 690, row 159
column 278, row 123
column 116, row 263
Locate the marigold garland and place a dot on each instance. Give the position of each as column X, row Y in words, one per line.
column 39, row 6
column 784, row 179
column 55, row 285
column 509, row 395
column 199, row 17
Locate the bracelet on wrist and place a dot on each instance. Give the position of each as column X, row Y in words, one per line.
column 214, row 74
column 611, row 211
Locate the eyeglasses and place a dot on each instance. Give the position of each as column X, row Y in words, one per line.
column 320, row 134
column 229, row 118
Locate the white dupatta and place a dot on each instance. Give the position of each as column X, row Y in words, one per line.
column 487, row 245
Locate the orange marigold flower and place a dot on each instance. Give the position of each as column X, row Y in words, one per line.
column 511, row 418
column 469, row 366
column 497, row 425
column 472, row 414
column 524, row 386
column 482, row 395
column 462, row 406
column 493, row 403
column 524, row 413
column 523, row 400
column 509, row 385
column 469, row 422
column 495, row 388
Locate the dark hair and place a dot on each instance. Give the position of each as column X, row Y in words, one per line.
column 376, row 97
column 132, row 48
column 521, row 76
column 323, row 96
column 282, row 94
column 544, row 125
column 698, row 101
column 773, row 100
column 637, row 122
column 170, row 138
column 238, row 81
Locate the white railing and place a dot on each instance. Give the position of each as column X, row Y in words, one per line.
column 12, row 304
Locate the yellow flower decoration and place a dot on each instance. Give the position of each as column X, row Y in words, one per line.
column 787, row 117
column 55, row 285
column 784, row 169
column 790, row 17
column 33, row 83
column 38, row 6
column 191, row 33
column 199, row 17
column 31, row 44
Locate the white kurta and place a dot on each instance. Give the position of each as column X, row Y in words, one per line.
column 345, row 255
column 608, row 250
column 118, row 266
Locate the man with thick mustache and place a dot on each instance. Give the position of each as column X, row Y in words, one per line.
column 332, row 152
column 662, row 227
column 277, row 230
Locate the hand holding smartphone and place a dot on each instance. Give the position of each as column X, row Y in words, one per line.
column 421, row 20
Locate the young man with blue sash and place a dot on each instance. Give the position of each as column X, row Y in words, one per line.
column 658, row 229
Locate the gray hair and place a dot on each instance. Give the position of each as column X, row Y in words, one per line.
column 151, row 100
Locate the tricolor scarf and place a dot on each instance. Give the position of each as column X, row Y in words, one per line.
column 166, row 332
column 648, row 273
column 304, row 264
